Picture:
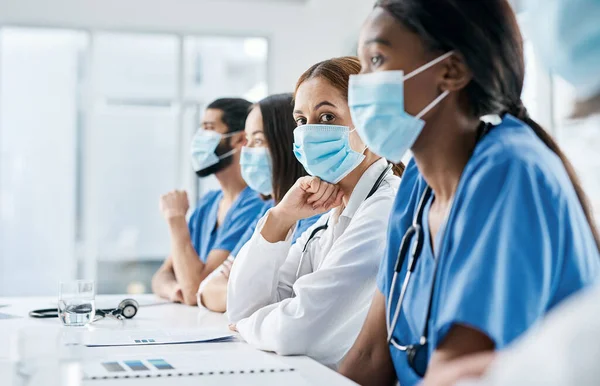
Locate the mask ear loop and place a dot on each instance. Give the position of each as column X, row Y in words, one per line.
column 366, row 147
column 228, row 154
column 229, row 135
column 432, row 104
column 428, row 65
column 425, row 68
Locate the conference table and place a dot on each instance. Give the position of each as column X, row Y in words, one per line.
column 157, row 314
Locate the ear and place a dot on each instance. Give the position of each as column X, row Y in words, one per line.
column 456, row 75
column 238, row 140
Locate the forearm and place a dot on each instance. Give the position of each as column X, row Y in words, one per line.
column 214, row 295
column 163, row 283
column 277, row 226
column 364, row 367
column 188, row 268
column 254, row 277
column 369, row 361
column 272, row 328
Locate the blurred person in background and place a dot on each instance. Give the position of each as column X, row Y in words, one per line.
column 270, row 168
column 568, row 44
column 222, row 216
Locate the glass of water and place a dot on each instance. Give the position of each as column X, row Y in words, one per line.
column 76, row 302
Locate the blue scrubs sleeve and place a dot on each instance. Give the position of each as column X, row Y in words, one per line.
column 303, row 225
column 250, row 231
column 242, row 217
column 500, row 255
column 195, row 226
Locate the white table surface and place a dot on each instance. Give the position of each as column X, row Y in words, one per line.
column 158, row 316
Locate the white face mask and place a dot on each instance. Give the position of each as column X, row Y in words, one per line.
column 376, row 104
column 325, row 151
column 204, row 144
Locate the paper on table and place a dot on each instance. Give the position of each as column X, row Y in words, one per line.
column 104, row 338
column 257, row 366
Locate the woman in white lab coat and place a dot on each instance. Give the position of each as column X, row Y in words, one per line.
column 311, row 298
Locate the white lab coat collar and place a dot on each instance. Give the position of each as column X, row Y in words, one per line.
column 362, row 189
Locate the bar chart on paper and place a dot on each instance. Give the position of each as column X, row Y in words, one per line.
column 257, row 367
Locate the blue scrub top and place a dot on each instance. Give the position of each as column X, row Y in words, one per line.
column 203, row 223
column 302, row 226
column 516, row 244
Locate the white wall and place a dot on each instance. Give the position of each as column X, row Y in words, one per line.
column 300, row 33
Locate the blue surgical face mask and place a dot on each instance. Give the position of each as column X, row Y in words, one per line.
column 566, row 38
column 376, row 103
column 203, row 148
column 325, row 152
column 257, row 169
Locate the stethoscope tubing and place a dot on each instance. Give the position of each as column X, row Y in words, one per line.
column 415, row 229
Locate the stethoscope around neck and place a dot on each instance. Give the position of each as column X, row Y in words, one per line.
column 415, row 230
column 415, row 352
column 314, row 235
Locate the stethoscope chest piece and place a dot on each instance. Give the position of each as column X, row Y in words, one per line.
column 128, row 308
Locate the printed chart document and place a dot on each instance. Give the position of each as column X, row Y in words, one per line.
column 256, row 367
column 106, row 338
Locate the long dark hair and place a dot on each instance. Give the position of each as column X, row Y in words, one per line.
column 337, row 72
column 278, row 125
column 486, row 34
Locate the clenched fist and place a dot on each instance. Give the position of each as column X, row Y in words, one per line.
column 174, row 204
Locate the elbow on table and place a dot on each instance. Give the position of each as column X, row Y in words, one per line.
column 287, row 348
column 286, row 342
column 239, row 306
column 158, row 286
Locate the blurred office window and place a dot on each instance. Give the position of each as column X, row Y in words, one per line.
column 223, row 67
column 40, row 110
column 579, row 139
column 530, row 95
column 93, row 129
column 550, row 102
column 131, row 154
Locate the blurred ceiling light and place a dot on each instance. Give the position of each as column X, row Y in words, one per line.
column 256, row 48
column 256, row 93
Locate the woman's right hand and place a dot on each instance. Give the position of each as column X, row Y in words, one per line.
column 310, row 196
